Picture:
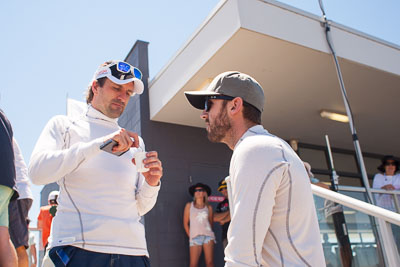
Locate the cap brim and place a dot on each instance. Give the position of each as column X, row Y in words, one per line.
column 197, row 98
column 138, row 84
column 222, row 187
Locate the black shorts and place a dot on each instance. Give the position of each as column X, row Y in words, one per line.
column 18, row 214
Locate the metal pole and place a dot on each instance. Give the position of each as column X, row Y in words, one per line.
column 339, row 221
column 348, row 110
column 335, row 177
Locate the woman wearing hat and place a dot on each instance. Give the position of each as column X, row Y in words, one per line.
column 388, row 180
column 197, row 221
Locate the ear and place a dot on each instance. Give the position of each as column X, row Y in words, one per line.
column 235, row 106
column 95, row 87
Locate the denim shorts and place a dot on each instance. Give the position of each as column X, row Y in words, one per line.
column 200, row 240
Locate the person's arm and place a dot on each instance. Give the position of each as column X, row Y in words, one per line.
column 148, row 183
column 210, row 215
column 256, row 174
column 377, row 182
column 51, row 158
column 33, row 255
column 21, row 170
column 221, row 216
column 388, row 187
column 40, row 220
column 186, row 217
column 226, row 219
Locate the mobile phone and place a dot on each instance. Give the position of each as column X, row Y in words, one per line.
column 109, row 144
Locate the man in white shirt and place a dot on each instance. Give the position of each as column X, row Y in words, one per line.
column 273, row 218
column 102, row 195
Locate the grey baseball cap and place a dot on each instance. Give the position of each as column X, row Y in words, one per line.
column 230, row 83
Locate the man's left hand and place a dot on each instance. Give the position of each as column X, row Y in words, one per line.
column 155, row 173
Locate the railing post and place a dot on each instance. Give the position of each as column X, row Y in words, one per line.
column 389, row 245
column 396, row 202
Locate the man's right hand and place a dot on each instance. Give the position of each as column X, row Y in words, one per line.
column 124, row 139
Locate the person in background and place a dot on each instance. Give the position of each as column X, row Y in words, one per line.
column 388, row 179
column 273, row 219
column 8, row 256
column 19, row 209
column 197, row 222
column 32, row 256
column 222, row 215
column 46, row 215
column 102, row 194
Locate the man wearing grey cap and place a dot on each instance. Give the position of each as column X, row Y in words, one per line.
column 273, row 218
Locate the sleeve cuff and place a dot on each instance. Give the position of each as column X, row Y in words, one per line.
column 150, row 191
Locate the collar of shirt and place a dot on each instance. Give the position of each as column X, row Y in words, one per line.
column 255, row 130
column 95, row 114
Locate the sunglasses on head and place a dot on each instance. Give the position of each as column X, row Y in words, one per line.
column 123, row 71
column 119, row 70
column 199, row 190
column 208, row 103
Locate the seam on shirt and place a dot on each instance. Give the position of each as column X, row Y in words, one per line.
column 66, row 145
column 256, row 209
column 277, row 244
column 257, row 133
column 288, row 212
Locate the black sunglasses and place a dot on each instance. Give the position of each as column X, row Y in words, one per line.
column 390, row 163
column 208, row 103
column 199, row 190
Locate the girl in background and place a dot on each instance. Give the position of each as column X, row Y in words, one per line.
column 197, row 221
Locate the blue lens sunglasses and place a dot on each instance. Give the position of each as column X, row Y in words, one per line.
column 124, row 68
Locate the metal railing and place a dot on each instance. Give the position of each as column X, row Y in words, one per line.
column 393, row 193
column 384, row 216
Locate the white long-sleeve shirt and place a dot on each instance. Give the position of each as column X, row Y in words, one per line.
column 102, row 196
column 386, row 200
column 273, row 217
column 22, row 182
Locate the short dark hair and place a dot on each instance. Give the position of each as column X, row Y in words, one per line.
column 89, row 93
column 251, row 113
column 101, row 81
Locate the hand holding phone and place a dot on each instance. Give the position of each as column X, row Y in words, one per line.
column 108, row 146
column 120, row 142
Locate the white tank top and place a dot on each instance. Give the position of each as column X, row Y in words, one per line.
column 199, row 222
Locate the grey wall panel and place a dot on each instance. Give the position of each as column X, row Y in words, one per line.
column 187, row 157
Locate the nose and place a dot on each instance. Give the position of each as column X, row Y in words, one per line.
column 123, row 96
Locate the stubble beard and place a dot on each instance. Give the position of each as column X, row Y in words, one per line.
column 219, row 128
column 115, row 112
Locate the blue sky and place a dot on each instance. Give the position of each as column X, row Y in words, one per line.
column 51, row 48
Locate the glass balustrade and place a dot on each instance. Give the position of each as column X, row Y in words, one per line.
column 362, row 233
